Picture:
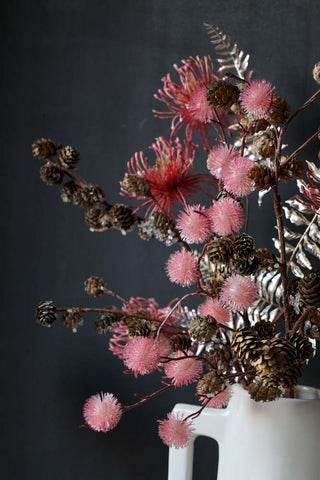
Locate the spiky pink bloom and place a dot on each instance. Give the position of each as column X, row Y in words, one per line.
column 256, row 98
column 219, row 158
column 220, row 400
column 183, row 371
column 238, row 292
column 194, row 224
column 213, row 307
column 182, row 268
column 102, row 412
column 174, row 431
column 141, row 355
column 137, row 304
column 226, row 216
column 235, row 177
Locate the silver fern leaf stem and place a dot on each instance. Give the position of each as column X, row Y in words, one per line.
column 303, row 236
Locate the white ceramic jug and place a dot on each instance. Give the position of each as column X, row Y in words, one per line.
column 279, row 440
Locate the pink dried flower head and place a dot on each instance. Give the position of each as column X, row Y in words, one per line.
column 137, row 304
column 219, row 158
column 164, row 346
column 183, row 371
column 182, row 268
column 141, row 355
column 174, row 431
column 213, row 307
column 194, row 224
column 186, row 101
column 102, row 412
column 226, row 216
column 118, row 340
column 256, row 98
column 220, row 400
column 238, row 292
column 235, row 177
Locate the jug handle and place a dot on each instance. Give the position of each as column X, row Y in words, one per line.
column 211, row 423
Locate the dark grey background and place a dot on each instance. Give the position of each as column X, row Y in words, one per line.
column 84, row 73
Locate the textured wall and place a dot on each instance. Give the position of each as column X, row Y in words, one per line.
column 84, row 73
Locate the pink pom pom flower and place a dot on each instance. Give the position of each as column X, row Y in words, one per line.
column 226, row 216
column 102, row 412
column 235, row 177
column 194, row 224
column 141, row 355
column 220, row 400
column 182, row 268
column 184, row 370
column 218, row 159
column 174, row 431
column 213, row 307
column 238, row 292
column 256, row 98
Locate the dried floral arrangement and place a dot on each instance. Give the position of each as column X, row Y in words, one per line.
column 258, row 317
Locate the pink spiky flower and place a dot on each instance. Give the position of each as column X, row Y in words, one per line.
column 194, row 224
column 213, row 307
column 235, row 177
column 238, row 292
column 174, row 431
column 187, row 101
column 184, row 370
column 102, row 412
column 220, row 400
column 182, row 268
column 219, row 158
column 141, row 355
column 226, row 216
column 256, row 98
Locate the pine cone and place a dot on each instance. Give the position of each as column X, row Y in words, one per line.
column 220, row 249
column 91, row 194
column 135, row 185
column 265, row 144
column 137, row 327
column 303, row 347
column 97, row 218
column 244, row 245
column 221, row 357
column 202, row 329
column 316, row 72
column 94, row 286
column 105, row 322
column 121, row 217
column 68, row 157
column 164, row 228
column 222, row 94
column 51, row 174
column 210, row 287
column 265, row 329
column 314, row 317
column 245, row 266
column 279, row 111
column 210, row 384
column 145, row 230
column 71, row 193
column 291, row 170
column 262, row 176
column 46, row 313
column 266, row 259
column 180, row 342
column 309, row 287
column 257, row 126
column 264, row 391
column 73, row 318
column 44, row 148
column 246, row 344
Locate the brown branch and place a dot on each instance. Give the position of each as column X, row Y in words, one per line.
column 145, row 398
column 306, row 104
column 302, row 146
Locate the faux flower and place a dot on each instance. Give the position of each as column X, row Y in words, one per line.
column 184, row 370
column 141, row 355
column 235, row 177
column 174, row 431
column 256, row 98
column 102, row 412
column 220, row 400
column 193, row 224
column 219, row 158
column 226, row 216
column 182, row 268
column 238, row 292
column 213, row 307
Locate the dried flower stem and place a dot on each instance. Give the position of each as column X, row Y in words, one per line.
column 126, row 408
column 308, row 102
column 309, row 140
column 174, row 308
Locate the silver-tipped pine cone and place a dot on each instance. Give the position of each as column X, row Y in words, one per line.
column 46, row 313
column 68, row 157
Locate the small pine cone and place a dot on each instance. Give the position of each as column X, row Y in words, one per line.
column 314, row 317
column 303, row 347
column 51, row 174
column 94, row 286
column 71, row 193
column 180, row 342
column 202, row 329
column 265, row 258
column 93, row 217
column 245, row 266
column 164, row 228
column 44, row 148
column 211, row 287
column 279, row 111
column 265, row 330
column 309, row 287
column 264, row 391
column 222, row 94
column 265, row 144
column 210, row 384
column 137, row 327
column 68, row 157
column 316, row 72
column 136, row 186
column 221, row 357
column 262, row 176
column 73, row 318
column 121, row 217
column 220, row 249
column 246, row 344
column 312, row 331
column 291, row 170
column 145, row 230
column 244, row 245
column 259, row 125
column 105, row 322
column 46, row 313
column 91, row 194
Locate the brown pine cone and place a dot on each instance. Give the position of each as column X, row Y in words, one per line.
column 265, row 258
column 210, row 287
column 265, row 144
column 309, row 289
column 245, row 266
column 96, row 218
column 222, row 94
column 314, row 317
column 46, row 313
column 246, row 344
column 244, row 245
column 259, row 125
column 73, row 318
column 180, row 342
column 43, row 148
column 210, row 384
column 137, row 327
column 220, row 249
column 51, row 174
column 68, row 157
column 71, row 193
column 265, row 329
column 291, row 170
column 135, row 185
column 121, row 217
column 264, row 391
column 105, row 322
column 262, row 176
column 202, row 329
column 279, row 111
column 316, row 72
column 91, row 194
column 221, row 357
column 145, row 230
column 163, row 228
column 303, row 347
column 95, row 286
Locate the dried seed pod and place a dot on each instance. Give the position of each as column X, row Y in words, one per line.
column 222, row 94
column 51, row 174
column 202, row 329
column 316, row 72
column 292, row 169
column 262, row 176
column 95, row 286
column 265, row 329
column 121, row 217
column 73, row 318
column 43, row 148
column 265, row 144
column 309, row 288
column 46, row 313
column 68, row 157
column 279, row 111
column 105, row 322
column 180, row 342
column 264, row 391
column 137, row 327
column 210, row 384
column 135, row 185
column 220, row 249
column 244, row 245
